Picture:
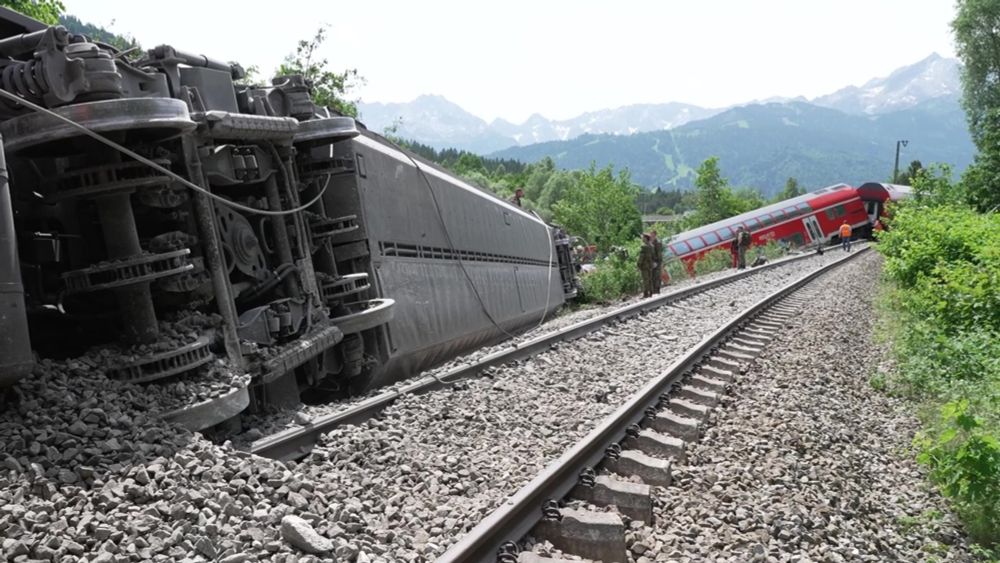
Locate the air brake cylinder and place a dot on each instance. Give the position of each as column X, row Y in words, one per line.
column 16, row 360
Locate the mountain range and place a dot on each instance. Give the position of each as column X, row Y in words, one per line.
column 848, row 135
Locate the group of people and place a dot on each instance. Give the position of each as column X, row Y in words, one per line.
column 651, row 263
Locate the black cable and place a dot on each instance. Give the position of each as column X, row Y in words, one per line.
column 451, row 245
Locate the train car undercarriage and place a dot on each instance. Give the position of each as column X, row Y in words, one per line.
column 169, row 220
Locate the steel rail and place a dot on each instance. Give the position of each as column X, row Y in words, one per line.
column 520, row 513
column 296, row 443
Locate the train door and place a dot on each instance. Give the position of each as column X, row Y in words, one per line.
column 812, row 227
column 874, row 209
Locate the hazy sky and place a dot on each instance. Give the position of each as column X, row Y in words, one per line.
column 559, row 58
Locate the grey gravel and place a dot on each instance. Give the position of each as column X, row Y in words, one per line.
column 271, row 423
column 410, row 483
column 301, row 534
column 805, row 461
column 88, row 473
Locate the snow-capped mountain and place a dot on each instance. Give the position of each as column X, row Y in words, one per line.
column 626, row 120
column 435, row 121
column 933, row 77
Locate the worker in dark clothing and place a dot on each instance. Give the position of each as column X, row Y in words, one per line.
column 657, row 260
column 646, row 266
column 518, row 194
column 742, row 245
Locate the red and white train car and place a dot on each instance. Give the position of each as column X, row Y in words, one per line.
column 811, row 219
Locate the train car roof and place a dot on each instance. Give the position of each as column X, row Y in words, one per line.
column 15, row 23
column 882, row 192
column 829, row 192
column 391, row 148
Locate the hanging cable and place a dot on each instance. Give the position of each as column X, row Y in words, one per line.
column 163, row 170
column 451, row 245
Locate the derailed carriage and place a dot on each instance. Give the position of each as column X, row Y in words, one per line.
column 239, row 228
column 810, row 219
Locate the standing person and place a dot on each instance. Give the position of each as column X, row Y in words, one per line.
column 646, row 266
column 734, row 248
column 743, row 244
column 657, row 261
column 518, row 194
column 845, row 236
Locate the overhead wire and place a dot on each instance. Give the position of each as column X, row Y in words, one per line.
column 451, row 244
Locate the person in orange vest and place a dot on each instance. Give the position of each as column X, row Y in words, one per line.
column 845, row 236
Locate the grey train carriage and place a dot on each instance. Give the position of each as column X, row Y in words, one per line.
column 217, row 227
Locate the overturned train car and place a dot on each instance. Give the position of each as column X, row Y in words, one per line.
column 169, row 220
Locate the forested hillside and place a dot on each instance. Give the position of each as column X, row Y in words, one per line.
column 762, row 145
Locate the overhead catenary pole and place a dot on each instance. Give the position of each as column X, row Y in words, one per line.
column 895, row 168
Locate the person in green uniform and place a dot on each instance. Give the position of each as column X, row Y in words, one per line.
column 742, row 245
column 646, row 266
column 657, row 245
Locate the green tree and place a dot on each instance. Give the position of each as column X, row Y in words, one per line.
column 601, row 208
column 907, row 176
column 792, row 189
column 713, row 193
column 45, row 11
column 329, row 89
column 976, row 28
column 981, row 180
column 742, row 200
column 933, row 186
column 468, row 163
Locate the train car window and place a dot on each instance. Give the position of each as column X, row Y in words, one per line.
column 804, row 207
column 766, row 219
column 792, row 211
column 725, row 233
column 779, row 215
column 841, row 210
column 753, row 224
column 696, row 243
column 710, row 238
column 681, row 248
column 668, row 252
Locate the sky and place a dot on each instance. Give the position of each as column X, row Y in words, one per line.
column 558, row 58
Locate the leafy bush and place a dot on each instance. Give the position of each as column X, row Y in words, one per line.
column 616, row 276
column 922, row 238
column 714, row 261
column 944, row 262
column 963, row 456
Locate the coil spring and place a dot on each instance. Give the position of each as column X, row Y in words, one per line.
column 26, row 79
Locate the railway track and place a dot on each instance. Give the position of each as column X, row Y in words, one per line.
column 640, row 441
column 296, row 443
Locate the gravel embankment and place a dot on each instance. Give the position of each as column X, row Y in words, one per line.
column 272, row 423
column 804, row 460
column 433, row 465
column 88, row 474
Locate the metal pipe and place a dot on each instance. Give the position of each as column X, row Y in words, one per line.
column 205, row 218
column 166, row 51
column 28, row 42
column 280, row 229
